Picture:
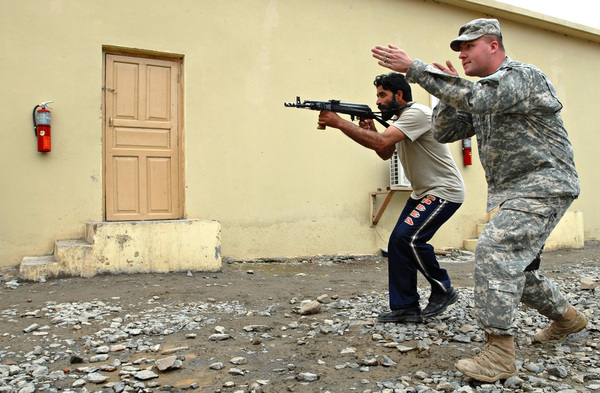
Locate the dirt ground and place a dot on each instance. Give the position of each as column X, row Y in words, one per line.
column 258, row 286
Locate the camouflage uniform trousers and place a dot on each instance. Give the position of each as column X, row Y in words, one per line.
column 505, row 250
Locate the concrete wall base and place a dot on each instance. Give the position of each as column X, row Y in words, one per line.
column 132, row 247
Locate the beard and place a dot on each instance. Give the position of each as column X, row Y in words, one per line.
column 388, row 111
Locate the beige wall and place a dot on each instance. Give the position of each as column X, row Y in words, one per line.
column 278, row 186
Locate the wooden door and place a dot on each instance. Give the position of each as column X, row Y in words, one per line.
column 142, row 146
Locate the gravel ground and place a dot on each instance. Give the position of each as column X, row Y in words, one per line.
column 293, row 325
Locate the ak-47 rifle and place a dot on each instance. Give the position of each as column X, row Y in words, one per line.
column 360, row 111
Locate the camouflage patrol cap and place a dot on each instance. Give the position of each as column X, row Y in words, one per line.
column 475, row 29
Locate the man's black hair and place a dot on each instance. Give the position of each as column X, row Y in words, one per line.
column 394, row 82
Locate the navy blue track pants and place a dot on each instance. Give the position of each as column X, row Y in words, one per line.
column 408, row 251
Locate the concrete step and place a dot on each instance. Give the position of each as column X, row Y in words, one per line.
column 480, row 228
column 32, row 268
column 132, row 247
column 73, row 256
column 69, row 260
column 470, row 244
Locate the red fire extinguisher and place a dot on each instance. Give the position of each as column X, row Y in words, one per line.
column 41, row 125
column 467, row 156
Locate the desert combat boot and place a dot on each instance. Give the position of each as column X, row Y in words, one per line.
column 497, row 361
column 573, row 322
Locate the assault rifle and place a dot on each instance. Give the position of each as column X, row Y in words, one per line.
column 360, row 111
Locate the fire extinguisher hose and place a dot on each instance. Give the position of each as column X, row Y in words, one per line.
column 34, row 122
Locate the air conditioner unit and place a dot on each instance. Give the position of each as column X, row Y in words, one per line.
column 397, row 176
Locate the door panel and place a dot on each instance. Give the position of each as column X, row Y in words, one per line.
column 126, row 78
column 158, row 182
column 126, row 171
column 142, row 139
column 158, row 103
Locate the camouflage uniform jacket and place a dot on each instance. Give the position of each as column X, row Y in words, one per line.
column 515, row 113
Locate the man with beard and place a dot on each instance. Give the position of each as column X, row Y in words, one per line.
column 438, row 191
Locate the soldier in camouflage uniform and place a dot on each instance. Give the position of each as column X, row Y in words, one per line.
column 514, row 112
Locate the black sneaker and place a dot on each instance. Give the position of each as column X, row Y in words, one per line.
column 438, row 302
column 411, row 314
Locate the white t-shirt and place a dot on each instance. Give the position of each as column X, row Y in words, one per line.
column 428, row 164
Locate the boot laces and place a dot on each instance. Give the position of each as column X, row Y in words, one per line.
column 484, row 356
